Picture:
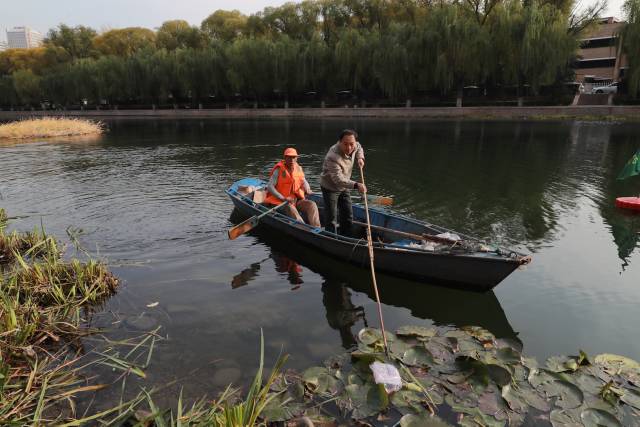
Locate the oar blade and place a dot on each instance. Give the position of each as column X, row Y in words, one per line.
column 381, row 200
column 242, row 228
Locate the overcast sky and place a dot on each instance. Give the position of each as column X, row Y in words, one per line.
column 42, row 15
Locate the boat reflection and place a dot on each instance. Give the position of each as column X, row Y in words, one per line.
column 441, row 305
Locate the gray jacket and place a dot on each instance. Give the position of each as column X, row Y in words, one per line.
column 337, row 168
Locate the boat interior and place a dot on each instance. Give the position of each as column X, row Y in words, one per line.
column 387, row 229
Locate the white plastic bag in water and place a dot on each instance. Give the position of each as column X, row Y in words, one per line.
column 387, row 375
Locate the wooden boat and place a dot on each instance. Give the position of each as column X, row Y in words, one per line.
column 403, row 246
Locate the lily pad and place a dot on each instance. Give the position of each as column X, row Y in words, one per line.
column 588, row 383
column 561, row 364
column 514, row 400
column 479, row 333
column 568, row 395
column 416, row 331
column 533, row 398
column 499, row 375
column 312, row 375
column 281, row 408
column 369, row 336
column 418, row 356
column 631, row 398
column 598, row 418
column 564, row 418
column 492, row 403
column 509, row 356
column 411, row 420
column 615, row 364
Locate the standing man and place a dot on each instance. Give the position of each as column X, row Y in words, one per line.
column 336, row 183
column 287, row 183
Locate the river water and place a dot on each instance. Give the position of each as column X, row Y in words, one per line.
column 149, row 198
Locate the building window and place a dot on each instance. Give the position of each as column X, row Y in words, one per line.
column 599, row 42
column 596, row 63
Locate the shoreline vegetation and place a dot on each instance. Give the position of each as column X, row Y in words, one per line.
column 450, row 376
column 49, row 127
column 333, row 51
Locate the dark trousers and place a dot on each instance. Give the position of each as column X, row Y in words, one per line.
column 337, row 210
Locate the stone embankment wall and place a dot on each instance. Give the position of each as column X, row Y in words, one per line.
column 592, row 112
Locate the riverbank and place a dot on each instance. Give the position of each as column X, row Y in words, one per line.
column 584, row 112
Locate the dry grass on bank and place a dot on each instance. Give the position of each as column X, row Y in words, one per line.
column 49, row 127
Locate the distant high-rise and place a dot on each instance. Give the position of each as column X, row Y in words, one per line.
column 23, row 38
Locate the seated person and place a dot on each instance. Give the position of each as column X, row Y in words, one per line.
column 287, row 183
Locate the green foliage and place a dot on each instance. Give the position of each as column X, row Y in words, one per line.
column 125, row 42
column 76, row 42
column 393, row 49
column 27, row 86
column 179, row 34
column 224, row 25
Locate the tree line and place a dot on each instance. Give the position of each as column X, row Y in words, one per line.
column 376, row 49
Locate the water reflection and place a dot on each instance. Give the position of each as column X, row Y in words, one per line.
column 441, row 305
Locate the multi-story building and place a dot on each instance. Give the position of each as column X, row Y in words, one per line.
column 23, row 38
column 600, row 57
column 3, row 45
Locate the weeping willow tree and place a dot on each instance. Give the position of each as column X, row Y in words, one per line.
column 631, row 45
column 391, row 64
column 286, row 62
column 202, row 73
column 532, row 44
column 250, row 66
column 353, row 57
column 391, row 49
column 316, row 62
column 461, row 46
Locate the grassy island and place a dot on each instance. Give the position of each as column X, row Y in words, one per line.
column 49, row 127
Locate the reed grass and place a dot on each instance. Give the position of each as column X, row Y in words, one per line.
column 228, row 410
column 49, row 127
column 44, row 303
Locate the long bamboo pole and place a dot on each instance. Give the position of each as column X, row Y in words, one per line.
column 373, row 270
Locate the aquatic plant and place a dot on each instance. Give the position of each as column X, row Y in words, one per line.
column 44, row 301
column 228, row 410
column 466, row 377
column 49, row 127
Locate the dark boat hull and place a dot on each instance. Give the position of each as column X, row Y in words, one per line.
column 473, row 272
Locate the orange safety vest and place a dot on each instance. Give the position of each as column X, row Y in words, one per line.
column 289, row 184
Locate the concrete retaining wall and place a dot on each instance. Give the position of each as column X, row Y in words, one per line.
column 585, row 111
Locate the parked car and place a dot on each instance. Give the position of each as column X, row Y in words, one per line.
column 610, row 88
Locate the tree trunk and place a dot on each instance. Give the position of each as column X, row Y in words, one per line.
column 408, row 104
column 520, row 101
column 459, row 96
column 323, row 104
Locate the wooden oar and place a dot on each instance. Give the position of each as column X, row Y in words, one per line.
column 373, row 270
column 250, row 223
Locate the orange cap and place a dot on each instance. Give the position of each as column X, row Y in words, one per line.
column 291, row 152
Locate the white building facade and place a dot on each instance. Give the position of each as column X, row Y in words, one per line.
column 23, row 38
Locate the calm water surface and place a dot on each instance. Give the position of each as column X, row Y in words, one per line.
column 149, row 197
